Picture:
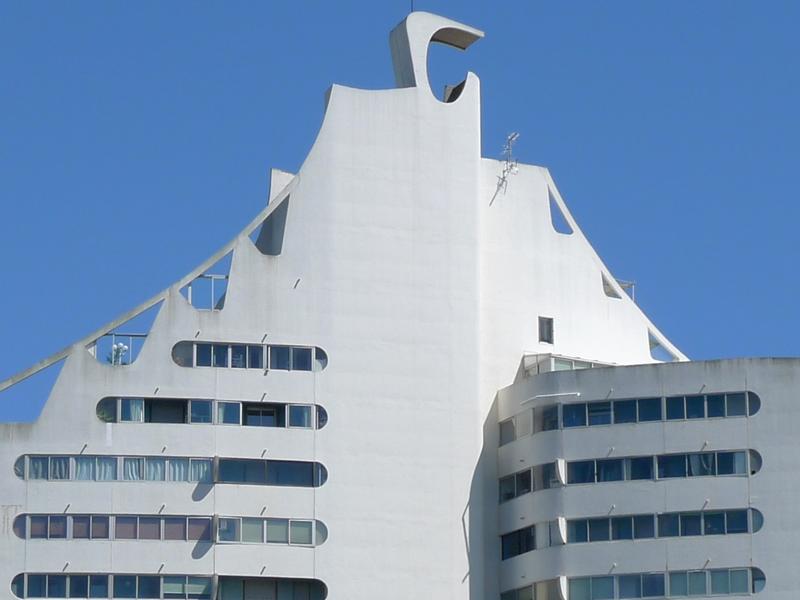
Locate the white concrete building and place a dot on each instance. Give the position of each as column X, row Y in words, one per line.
column 333, row 420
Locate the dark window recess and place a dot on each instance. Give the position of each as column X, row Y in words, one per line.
column 263, row 414
column 279, row 358
column 546, row 330
column 518, row 542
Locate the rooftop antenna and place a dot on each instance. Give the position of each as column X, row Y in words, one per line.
column 509, row 165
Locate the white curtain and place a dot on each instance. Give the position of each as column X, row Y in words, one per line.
column 133, row 410
column 106, row 468
column 201, row 471
column 38, row 467
column 179, row 469
column 84, row 468
column 155, row 469
column 132, row 469
column 59, row 467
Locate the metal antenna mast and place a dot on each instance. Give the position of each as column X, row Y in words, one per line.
column 509, row 165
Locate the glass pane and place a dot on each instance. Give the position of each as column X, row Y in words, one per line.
column 200, row 529
column 673, row 465
column 523, row 482
column 640, row 467
column 279, row 358
column 549, row 418
column 290, row 473
column 649, row 409
column 81, row 528
column 602, row 588
column 278, row 531
column 574, row 415
column 38, row 527
column 625, row 411
column 234, row 470
column 174, row 586
column 253, row 531
column 155, row 469
column 98, row 586
column 125, row 528
column 106, row 468
column 228, row 530
column 736, row 404
column 124, row 586
column 179, row 469
column 38, row 467
column 675, row 408
column 85, row 468
column 695, row 407
column 56, row 586
column 653, row 585
column 598, row 530
column 198, row 587
column 630, row 586
column 301, row 532
column 200, row 470
column 580, row 589
column 200, row 411
column 219, row 355
column 100, row 527
column 580, row 472
column 132, row 410
column 18, row 586
column 678, row 585
column 701, row 465
column 132, row 468
column 720, row 582
column 59, row 467
column 668, row 525
column 507, row 432
column 203, row 355
column 739, row 581
column 301, row 359
column 228, row 413
column 599, row 413
column 78, row 586
column 610, row 469
column 726, row 463
column 577, row 531
column 622, row 528
column 37, row 586
column 690, row 524
column 58, row 527
column 149, row 528
column 174, row 528
column 507, row 489
column 239, row 356
column 19, row 526
column 736, row 521
column 300, row 416
column 255, row 357
column 715, row 405
column 149, row 586
column 697, row 583
column 714, row 523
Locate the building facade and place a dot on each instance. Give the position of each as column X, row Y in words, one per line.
column 334, row 419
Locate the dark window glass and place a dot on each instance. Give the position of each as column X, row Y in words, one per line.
column 695, row 407
column 730, row 463
column 599, row 413
column 37, row 586
column 149, row 528
column 650, row 409
column 690, row 524
column 300, row 416
column 675, row 408
column 641, row 467
column 714, row 523
column 200, row 587
column 174, row 586
column 580, row 471
column 736, row 521
column 201, row 411
column 59, row 467
column 753, row 403
column 18, row 586
column 644, row 527
column 653, row 585
column 233, row 470
column 99, row 528
column 523, row 482
column 200, row 530
column 577, row 531
column 38, row 527
column 548, row 476
column 322, row 417
column 255, row 357
column 98, row 586
column 290, row 473
column 621, row 528
column 175, row 528
column 20, row 529
column 527, row 539
column 203, row 355
column 124, row 586
column 549, row 418
column 149, row 586
column 239, row 356
column 610, row 469
column 668, row 525
column 228, row 413
column 701, row 465
column 672, row 465
column 574, row 415
column 301, row 359
column 56, row 586
column 58, row 527
column 507, row 489
column 625, row 411
column 78, row 586
column 279, row 358
column 509, row 544
column 546, row 330
column 603, row 588
column 125, row 528
column 630, row 586
column 715, row 405
column 598, row 530
column 220, row 355
column 81, row 528
column 736, row 404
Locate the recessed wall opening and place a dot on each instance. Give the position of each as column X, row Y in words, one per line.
column 208, row 290
column 608, row 288
column 546, row 330
column 268, row 237
column 121, row 346
column 658, row 351
column 557, row 218
column 443, row 67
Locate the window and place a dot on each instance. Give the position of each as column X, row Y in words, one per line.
column 219, row 355
column 301, row 359
column 199, row 529
column 57, row 527
column 255, row 357
column 546, row 330
column 132, row 468
column 238, row 356
column 38, row 527
column 652, row 585
column 523, row 483
column 277, row 531
column 715, row 405
column 671, row 465
column 124, row 586
column 695, row 407
column 675, row 409
column 630, row 586
column 100, row 528
column 229, row 413
column 265, row 415
column 518, row 542
column 175, row 528
column 81, row 527
column 201, row 411
column 549, row 418
column 149, row 586
column 132, row 410
column 644, row 527
column 59, row 467
column 228, row 530
column 625, row 411
column 253, row 531
column 736, row 521
column 203, row 358
column 622, row 528
column 125, row 528
column 690, row 524
column 736, row 404
column 279, row 358
column 640, row 467
column 580, row 472
column 599, row 530
column 731, row 463
column 577, row 531
column 56, row 586
column 649, row 409
column 200, row 470
column 300, row 416
column 714, row 523
column 507, row 488
column 599, row 413
column 155, row 469
column 78, row 586
column 149, row 528
column 610, row 469
column 574, row 415
column 701, row 465
column 668, row 525
column 98, row 586
column 507, row 432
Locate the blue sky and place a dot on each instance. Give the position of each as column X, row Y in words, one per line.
column 671, row 129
